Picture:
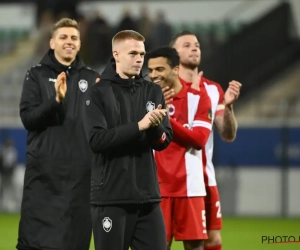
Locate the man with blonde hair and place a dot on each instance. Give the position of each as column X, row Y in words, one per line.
column 222, row 116
column 124, row 121
column 55, row 211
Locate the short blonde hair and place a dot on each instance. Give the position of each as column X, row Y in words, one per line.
column 127, row 34
column 64, row 23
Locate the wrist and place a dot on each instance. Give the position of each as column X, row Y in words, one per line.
column 228, row 106
column 57, row 99
column 141, row 126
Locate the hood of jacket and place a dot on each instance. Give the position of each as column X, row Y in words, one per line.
column 50, row 60
column 110, row 74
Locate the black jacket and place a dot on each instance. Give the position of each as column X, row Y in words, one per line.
column 55, row 206
column 123, row 170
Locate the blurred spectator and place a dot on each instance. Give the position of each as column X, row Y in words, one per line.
column 44, row 33
column 63, row 14
column 145, row 24
column 8, row 164
column 44, row 6
column 162, row 30
column 83, row 29
column 98, row 41
column 66, row 8
column 127, row 21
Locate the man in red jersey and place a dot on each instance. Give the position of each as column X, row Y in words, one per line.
column 179, row 166
column 188, row 48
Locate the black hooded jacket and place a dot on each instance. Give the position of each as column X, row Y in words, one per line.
column 123, row 169
column 57, row 178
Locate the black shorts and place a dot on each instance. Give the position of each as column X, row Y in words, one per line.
column 118, row 227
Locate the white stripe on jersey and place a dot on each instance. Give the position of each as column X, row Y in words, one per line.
column 193, row 158
column 194, row 173
column 214, row 96
column 210, row 170
column 202, row 124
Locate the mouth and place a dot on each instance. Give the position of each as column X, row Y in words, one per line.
column 158, row 81
column 194, row 56
column 69, row 49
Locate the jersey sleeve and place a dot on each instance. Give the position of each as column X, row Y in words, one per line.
column 203, row 117
column 196, row 136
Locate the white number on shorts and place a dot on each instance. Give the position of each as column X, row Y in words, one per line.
column 203, row 219
column 218, row 205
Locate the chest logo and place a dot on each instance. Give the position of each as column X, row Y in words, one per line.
column 150, row 106
column 171, row 108
column 83, row 85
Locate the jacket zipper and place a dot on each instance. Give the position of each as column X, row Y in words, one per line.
column 133, row 117
column 68, row 79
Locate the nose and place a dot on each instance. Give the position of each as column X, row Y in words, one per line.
column 153, row 74
column 139, row 58
column 69, row 40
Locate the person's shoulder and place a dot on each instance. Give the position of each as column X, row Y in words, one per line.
column 89, row 70
column 37, row 71
column 37, row 68
column 151, row 85
column 101, row 86
column 210, row 82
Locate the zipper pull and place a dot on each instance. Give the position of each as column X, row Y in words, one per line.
column 68, row 71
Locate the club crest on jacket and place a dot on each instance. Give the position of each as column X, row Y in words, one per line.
column 107, row 224
column 83, row 85
column 150, row 106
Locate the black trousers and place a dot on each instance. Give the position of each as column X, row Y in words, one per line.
column 118, row 227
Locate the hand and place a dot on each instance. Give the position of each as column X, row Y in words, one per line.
column 157, row 115
column 196, row 81
column 152, row 118
column 61, row 87
column 168, row 94
column 232, row 93
column 97, row 80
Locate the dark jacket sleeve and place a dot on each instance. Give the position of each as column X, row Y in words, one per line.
column 34, row 111
column 99, row 136
column 161, row 135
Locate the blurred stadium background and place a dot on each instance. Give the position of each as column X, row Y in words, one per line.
column 254, row 42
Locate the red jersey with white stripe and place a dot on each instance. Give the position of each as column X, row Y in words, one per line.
column 179, row 166
column 216, row 95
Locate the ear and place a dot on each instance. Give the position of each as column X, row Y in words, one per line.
column 79, row 45
column 176, row 70
column 116, row 55
column 52, row 43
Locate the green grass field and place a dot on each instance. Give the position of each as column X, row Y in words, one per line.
column 237, row 233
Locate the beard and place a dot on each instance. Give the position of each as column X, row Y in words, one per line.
column 190, row 65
